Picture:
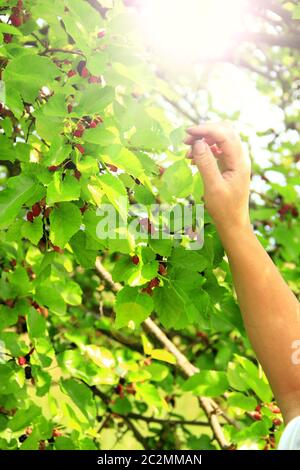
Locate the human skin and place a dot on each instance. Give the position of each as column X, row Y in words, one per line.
column 269, row 308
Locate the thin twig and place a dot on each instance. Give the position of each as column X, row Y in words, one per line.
column 182, row 111
column 169, row 422
column 63, row 51
column 126, row 418
column 210, row 408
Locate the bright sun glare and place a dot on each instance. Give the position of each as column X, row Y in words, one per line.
column 187, row 30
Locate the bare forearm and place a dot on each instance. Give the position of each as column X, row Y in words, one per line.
column 269, row 308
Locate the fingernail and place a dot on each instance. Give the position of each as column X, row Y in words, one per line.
column 189, row 129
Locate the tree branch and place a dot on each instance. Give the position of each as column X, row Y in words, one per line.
column 126, row 418
column 99, row 8
column 210, row 408
column 169, row 422
column 183, row 363
column 182, row 111
column 63, row 51
column 136, row 433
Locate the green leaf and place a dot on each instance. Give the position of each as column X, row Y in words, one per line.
column 19, row 281
column 74, row 363
column 29, row 73
column 163, row 355
column 42, row 381
column 82, row 396
column 7, row 150
column 9, row 29
column 60, row 190
column 102, row 357
column 33, row 230
column 99, row 135
column 125, row 160
column 241, row 401
column 11, row 376
column 235, row 377
column 255, row 379
column 8, row 316
column 97, row 62
column 178, row 179
column 209, row 383
column 170, row 307
column 36, row 324
column 162, row 247
column 65, row 221
column 31, row 443
column 11, row 199
column 150, row 138
column 187, row 259
column 71, row 292
column 158, row 372
column 132, row 306
column 138, row 376
column 84, row 256
column 48, row 295
column 115, row 192
column 121, row 406
column 24, row 417
column 125, row 270
column 143, row 195
column 95, row 100
column 64, row 443
column 150, row 394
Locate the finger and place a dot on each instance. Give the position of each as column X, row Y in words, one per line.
column 191, row 139
column 216, row 150
column 224, row 137
column 206, row 163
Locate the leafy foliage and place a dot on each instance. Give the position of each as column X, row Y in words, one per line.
column 82, row 124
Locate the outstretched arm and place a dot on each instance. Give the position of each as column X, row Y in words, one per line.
column 270, row 310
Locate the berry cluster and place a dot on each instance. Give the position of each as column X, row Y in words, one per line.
column 122, row 388
column 288, row 209
column 257, row 415
column 83, row 71
column 112, row 168
column 16, row 19
column 23, row 360
column 151, row 285
column 36, row 210
column 42, row 443
column 162, row 270
column 53, row 168
column 81, row 126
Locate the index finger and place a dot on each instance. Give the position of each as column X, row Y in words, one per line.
column 225, row 137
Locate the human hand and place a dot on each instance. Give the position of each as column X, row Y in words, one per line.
column 225, row 168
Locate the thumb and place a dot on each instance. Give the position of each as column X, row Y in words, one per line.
column 206, row 162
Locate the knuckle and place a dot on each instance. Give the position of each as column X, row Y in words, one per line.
column 205, row 161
